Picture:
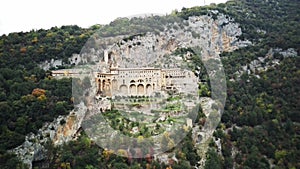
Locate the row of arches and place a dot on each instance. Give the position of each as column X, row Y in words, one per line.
column 110, row 86
column 139, row 89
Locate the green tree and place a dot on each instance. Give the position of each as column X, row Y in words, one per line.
column 213, row 160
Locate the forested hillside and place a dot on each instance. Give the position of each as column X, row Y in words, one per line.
column 29, row 97
column 260, row 126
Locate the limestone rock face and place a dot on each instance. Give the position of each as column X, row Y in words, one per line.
column 58, row 132
column 212, row 36
column 68, row 131
column 52, row 63
column 264, row 63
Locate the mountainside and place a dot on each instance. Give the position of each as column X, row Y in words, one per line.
column 258, row 43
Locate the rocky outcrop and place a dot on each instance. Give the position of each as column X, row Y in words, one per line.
column 68, row 131
column 52, row 63
column 264, row 63
column 202, row 136
column 61, row 130
column 213, row 36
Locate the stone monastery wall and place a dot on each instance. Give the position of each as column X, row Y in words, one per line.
column 142, row 81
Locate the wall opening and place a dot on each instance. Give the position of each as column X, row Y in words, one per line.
column 132, row 89
column 140, row 89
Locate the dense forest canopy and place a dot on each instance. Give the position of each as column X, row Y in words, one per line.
column 261, row 118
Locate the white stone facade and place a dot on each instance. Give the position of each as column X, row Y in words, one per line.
column 144, row 81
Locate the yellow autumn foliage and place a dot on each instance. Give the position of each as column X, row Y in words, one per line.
column 42, row 98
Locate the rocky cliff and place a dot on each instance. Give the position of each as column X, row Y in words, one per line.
column 61, row 130
column 212, row 36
